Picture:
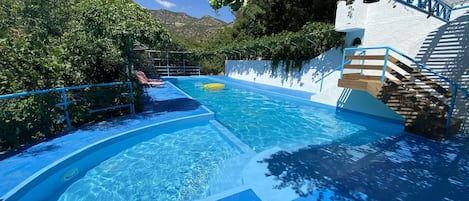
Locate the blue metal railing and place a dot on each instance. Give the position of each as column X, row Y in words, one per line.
column 329, row 73
column 456, row 87
column 65, row 102
column 430, row 7
column 339, row 67
column 460, row 7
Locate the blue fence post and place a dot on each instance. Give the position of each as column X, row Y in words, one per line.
column 363, row 60
column 131, row 96
column 65, row 102
column 385, row 65
column 429, row 7
column 322, row 80
column 450, row 111
column 343, row 63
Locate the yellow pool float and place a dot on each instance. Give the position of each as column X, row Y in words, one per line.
column 214, row 86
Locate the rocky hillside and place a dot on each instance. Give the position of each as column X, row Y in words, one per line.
column 186, row 27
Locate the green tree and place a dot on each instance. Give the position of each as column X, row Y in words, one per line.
column 265, row 17
column 233, row 4
column 55, row 43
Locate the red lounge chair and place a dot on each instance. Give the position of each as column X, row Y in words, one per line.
column 142, row 78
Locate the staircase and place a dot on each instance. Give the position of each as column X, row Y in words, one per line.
column 409, row 91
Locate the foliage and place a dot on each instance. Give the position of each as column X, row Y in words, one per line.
column 53, row 43
column 234, row 4
column 289, row 49
column 213, row 65
column 287, row 32
column 27, row 119
column 266, row 17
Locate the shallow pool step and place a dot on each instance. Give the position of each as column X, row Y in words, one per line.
column 247, row 195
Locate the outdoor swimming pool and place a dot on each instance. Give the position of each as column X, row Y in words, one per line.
column 195, row 160
column 263, row 120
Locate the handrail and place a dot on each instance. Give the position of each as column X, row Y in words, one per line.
column 65, row 101
column 28, row 93
column 324, row 76
column 335, row 69
column 460, row 7
column 456, row 87
column 465, row 90
column 431, row 7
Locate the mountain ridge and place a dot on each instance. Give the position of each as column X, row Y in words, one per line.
column 185, row 27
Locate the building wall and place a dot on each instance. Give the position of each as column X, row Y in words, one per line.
column 385, row 23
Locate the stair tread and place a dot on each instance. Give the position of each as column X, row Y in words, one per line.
column 364, row 57
column 364, row 66
column 356, row 76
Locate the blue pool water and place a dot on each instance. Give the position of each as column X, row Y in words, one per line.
column 264, row 120
column 171, row 166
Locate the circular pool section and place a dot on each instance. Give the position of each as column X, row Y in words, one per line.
column 168, row 161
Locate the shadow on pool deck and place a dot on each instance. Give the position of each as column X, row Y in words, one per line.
column 172, row 105
column 403, row 167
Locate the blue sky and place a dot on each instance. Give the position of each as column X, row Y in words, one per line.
column 194, row 8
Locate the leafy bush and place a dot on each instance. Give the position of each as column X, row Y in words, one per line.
column 52, row 43
column 290, row 49
column 27, row 119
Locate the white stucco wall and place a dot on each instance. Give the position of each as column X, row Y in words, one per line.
column 396, row 25
column 350, row 17
column 260, row 71
column 386, row 23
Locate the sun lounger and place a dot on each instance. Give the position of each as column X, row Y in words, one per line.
column 142, row 78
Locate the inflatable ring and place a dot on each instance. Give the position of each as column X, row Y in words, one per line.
column 214, row 86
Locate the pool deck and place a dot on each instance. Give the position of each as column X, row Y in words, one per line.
column 405, row 167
